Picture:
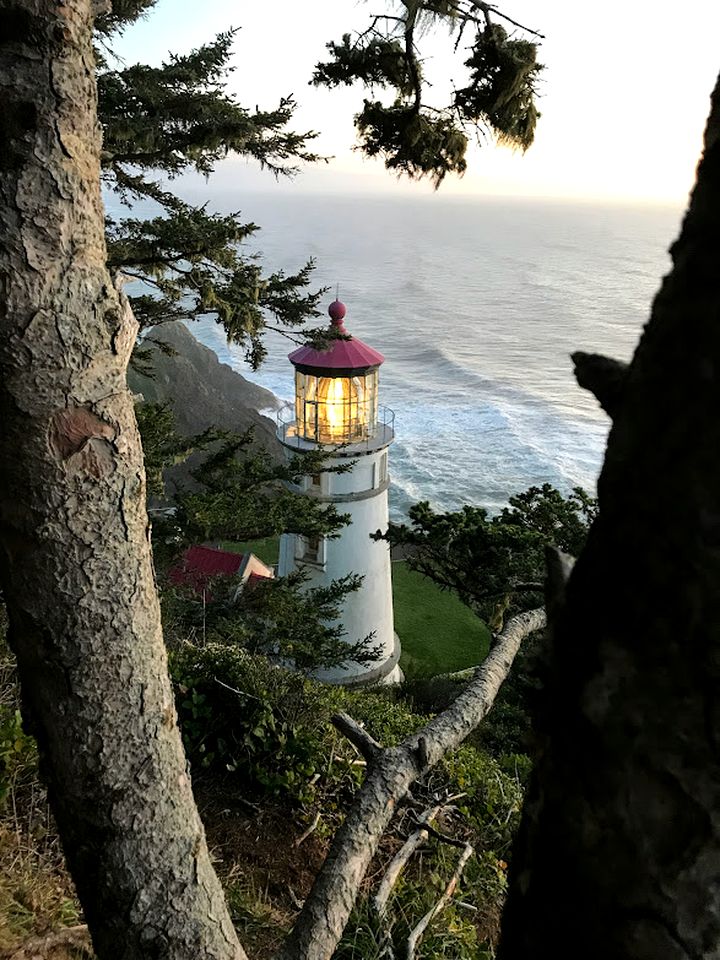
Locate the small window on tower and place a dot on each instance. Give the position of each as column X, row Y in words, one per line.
column 316, row 481
column 311, row 549
column 383, row 468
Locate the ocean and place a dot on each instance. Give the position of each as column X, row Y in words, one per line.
column 476, row 305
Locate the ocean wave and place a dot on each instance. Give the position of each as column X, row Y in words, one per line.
column 476, row 308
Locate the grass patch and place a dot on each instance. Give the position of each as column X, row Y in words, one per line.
column 267, row 550
column 438, row 633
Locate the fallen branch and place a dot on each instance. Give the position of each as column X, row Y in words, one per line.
column 358, row 737
column 442, row 837
column 391, row 772
column 417, row 933
column 313, row 826
column 399, row 861
column 396, row 867
column 75, row 938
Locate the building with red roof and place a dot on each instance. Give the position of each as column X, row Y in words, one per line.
column 200, row 564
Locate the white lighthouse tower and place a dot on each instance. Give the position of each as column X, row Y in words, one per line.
column 336, row 406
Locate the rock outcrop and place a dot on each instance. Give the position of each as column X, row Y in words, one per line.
column 201, row 391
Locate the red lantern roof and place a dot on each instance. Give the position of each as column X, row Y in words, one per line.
column 348, row 355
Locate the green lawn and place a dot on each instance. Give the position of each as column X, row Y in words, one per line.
column 266, row 550
column 438, row 633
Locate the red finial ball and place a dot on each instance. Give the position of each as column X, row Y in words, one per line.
column 337, row 311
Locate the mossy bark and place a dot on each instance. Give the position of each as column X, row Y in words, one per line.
column 619, row 850
column 74, row 540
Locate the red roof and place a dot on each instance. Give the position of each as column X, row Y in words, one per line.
column 342, row 354
column 200, row 564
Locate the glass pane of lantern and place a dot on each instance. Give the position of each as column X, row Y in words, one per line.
column 337, row 399
column 300, row 401
column 336, row 409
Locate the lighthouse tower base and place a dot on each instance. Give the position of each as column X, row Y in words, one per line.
column 361, row 492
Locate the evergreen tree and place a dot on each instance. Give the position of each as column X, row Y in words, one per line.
column 420, row 139
column 238, row 492
column 495, row 564
column 160, row 122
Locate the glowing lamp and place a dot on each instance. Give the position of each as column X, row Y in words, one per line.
column 336, row 390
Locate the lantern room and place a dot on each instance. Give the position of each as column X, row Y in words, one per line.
column 336, row 390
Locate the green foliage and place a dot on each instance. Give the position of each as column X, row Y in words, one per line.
column 242, row 495
column 453, row 935
column 493, row 800
column 503, row 86
column 495, row 564
column 240, row 716
column 260, row 743
column 301, row 625
column 162, row 445
column 178, row 116
column 18, row 753
column 487, row 817
column 239, row 492
column 380, row 62
column 423, row 140
column 269, row 730
column 563, row 521
column 189, row 262
column 121, row 14
column 279, row 618
column 412, row 143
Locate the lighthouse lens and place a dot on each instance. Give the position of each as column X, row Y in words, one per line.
column 336, row 409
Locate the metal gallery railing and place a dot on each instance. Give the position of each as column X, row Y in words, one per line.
column 380, row 433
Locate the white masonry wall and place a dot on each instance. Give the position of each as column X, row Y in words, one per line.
column 363, row 493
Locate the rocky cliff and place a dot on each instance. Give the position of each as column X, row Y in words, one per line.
column 202, row 391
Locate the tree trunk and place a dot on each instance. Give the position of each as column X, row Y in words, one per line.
column 619, row 850
column 76, row 563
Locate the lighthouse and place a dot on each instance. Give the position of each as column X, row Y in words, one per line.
column 336, row 408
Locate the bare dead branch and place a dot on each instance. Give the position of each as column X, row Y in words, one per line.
column 466, row 906
column 417, row 933
column 397, row 865
column 75, row 938
column 366, row 745
column 313, row 826
column 603, row 377
column 488, row 8
column 390, row 774
column 442, row 837
column 399, row 861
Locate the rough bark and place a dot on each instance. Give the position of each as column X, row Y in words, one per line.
column 76, row 564
column 619, row 849
column 391, row 772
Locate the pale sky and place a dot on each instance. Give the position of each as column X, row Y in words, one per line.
column 625, row 93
